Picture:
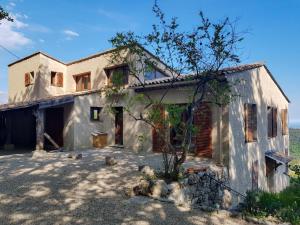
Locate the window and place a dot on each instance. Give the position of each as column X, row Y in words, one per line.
column 272, row 122
column 153, row 73
column 117, row 75
column 284, row 121
column 57, row 79
column 29, row 78
column 250, row 112
column 95, row 113
column 83, row 81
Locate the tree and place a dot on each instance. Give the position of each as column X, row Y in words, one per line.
column 4, row 15
column 202, row 52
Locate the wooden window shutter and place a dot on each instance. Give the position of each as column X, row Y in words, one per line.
column 89, row 82
column 284, row 117
column 254, row 122
column 250, row 117
column 274, row 122
column 248, row 133
column 270, row 123
column 27, row 79
column 59, row 79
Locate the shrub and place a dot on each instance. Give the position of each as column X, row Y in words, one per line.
column 284, row 205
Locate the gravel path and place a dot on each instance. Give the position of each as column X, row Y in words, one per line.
column 59, row 190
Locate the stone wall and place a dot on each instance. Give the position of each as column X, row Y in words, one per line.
column 206, row 189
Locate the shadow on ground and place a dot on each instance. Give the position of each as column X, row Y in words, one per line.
column 59, row 190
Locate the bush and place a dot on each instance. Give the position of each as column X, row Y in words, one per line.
column 284, row 205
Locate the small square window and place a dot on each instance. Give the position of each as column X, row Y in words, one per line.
column 95, row 113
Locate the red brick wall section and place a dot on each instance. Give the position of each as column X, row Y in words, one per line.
column 203, row 124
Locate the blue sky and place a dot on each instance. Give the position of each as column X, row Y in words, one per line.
column 70, row 30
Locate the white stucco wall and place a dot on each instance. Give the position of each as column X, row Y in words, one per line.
column 255, row 87
column 16, row 81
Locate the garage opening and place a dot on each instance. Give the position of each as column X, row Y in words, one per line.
column 17, row 130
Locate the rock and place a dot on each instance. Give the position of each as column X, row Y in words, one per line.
column 39, row 154
column 193, row 179
column 177, row 194
column 70, row 156
column 159, row 189
column 110, row 161
column 226, row 199
column 141, row 167
column 78, row 156
column 129, row 192
column 148, row 171
column 143, row 188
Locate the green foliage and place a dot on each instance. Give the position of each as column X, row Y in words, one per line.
column 284, row 205
column 295, row 143
column 4, row 15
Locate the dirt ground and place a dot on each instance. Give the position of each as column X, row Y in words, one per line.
column 58, row 190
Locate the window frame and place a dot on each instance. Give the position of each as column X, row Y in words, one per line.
column 155, row 70
column 250, row 122
column 108, row 71
column 92, row 109
column 54, row 79
column 80, row 84
column 29, row 78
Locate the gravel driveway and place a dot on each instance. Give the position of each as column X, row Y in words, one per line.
column 59, row 190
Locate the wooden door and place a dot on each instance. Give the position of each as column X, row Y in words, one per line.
column 119, row 126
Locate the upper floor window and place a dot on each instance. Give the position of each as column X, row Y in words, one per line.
column 57, row 79
column 284, row 121
column 29, row 78
column 117, row 76
column 153, row 73
column 83, row 81
column 272, row 122
column 250, row 113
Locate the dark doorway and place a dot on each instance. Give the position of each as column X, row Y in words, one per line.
column 119, row 126
column 17, row 128
column 54, row 125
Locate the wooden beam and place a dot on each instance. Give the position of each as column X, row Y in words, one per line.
column 40, row 127
column 51, row 140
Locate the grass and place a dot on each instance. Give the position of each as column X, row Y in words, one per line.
column 284, row 205
column 295, row 143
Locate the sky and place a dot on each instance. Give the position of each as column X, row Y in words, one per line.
column 69, row 30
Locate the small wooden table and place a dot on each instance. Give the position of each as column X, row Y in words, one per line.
column 99, row 139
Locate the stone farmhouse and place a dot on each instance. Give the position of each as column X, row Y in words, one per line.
column 249, row 137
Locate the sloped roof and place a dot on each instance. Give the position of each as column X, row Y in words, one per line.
column 45, row 102
column 191, row 77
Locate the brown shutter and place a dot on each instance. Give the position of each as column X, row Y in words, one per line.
column 274, row 122
column 248, row 123
column 270, row 123
column 27, row 79
column 89, row 82
column 246, row 116
column 284, row 121
column 254, row 122
column 203, row 135
column 59, row 79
